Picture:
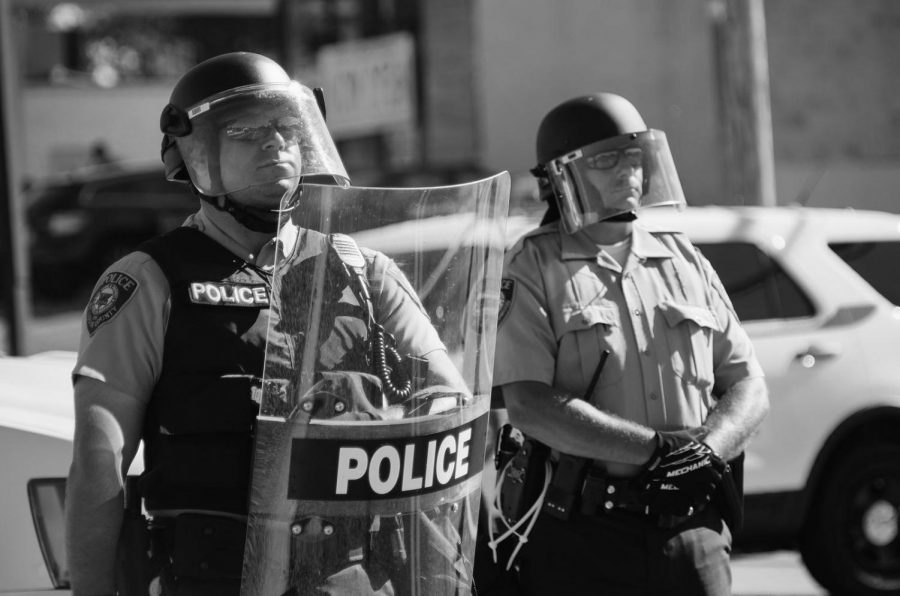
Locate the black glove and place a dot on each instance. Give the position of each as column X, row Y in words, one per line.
column 682, row 475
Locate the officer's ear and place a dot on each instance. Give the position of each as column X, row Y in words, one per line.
column 545, row 189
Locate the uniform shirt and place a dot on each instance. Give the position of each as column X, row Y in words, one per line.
column 124, row 347
column 675, row 342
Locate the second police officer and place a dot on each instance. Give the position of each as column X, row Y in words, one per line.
column 619, row 350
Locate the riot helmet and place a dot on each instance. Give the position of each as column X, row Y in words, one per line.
column 597, row 160
column 240, row 99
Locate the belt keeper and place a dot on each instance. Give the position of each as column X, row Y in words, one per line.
column 594, row 493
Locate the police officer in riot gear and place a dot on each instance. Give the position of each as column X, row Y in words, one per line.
column 619, row 352
column 174, row 336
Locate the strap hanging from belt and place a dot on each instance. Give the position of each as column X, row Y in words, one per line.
column 528, row 518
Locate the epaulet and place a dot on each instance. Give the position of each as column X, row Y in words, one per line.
column 552, row 227
column 547, row 228
column 658, row 228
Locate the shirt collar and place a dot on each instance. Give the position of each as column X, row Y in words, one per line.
column 252, row 247
column 644, row 245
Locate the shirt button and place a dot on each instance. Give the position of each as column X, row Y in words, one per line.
column 637, row 312
column 654, row 396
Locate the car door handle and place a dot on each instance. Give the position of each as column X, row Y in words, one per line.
column 815, row 353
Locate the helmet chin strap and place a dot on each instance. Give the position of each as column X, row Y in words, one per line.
column 258, row 220
column 252, row 218
column 627, row 216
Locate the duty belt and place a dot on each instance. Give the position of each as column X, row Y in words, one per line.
column 601, row 494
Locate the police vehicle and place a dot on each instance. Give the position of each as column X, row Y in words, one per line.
column 816, row 290
column 36, row 429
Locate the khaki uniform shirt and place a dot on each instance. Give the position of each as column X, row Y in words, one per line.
column 674, row 340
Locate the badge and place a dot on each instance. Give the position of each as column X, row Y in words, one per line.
column 111, row 295
column 228, row 294
column 507, row 291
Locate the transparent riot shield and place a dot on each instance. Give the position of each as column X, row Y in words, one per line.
column 369, row 444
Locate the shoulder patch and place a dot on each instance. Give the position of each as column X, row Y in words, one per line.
column 550, row 229
column 111, row 295
column 507, row 293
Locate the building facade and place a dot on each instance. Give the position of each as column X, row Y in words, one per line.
column 430, row 91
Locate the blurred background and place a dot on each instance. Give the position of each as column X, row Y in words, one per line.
column 764, row 102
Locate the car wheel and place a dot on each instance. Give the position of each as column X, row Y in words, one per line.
column 851, row 540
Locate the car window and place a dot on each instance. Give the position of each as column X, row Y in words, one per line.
column 757, row 285
column 875, row 262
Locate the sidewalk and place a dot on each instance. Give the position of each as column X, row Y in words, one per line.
column 772, row 574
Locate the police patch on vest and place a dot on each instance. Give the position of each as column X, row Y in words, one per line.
column 507, row 291
column 111, row 295
column 386, row 468
column 228, row 294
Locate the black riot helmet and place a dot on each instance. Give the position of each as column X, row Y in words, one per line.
column 598, row 160
column 239, row 97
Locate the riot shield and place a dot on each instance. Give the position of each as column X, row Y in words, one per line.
column 369, row 444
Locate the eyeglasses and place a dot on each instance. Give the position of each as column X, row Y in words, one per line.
column 634, row 156
column 289, row 128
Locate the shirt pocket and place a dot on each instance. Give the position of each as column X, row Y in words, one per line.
column 587, row 331
column 690, row 336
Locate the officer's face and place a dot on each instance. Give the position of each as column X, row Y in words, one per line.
column 617, row 177
column 260, row 156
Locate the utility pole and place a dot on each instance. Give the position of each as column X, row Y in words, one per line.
column 14, row 284
column 742, row 65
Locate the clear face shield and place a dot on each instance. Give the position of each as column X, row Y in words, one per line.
column 614, row 176
column 263, row 137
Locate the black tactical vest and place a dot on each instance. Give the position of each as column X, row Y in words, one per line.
column 198, row 429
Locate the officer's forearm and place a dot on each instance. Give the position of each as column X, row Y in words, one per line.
column 574, row 426
column 736, row 417
column 93, row 521
column 441, row 371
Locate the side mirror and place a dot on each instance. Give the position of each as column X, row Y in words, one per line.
column 47, row 498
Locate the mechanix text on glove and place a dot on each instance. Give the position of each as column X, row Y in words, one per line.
column 681, row 477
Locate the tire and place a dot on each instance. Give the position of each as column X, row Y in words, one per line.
column 851, row 539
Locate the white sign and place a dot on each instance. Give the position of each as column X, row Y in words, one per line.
column 369, row 84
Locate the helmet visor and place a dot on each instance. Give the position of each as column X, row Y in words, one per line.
column 614, row 176
column 258, row 135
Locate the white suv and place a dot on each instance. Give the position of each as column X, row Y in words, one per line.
column 818, row 292
column 36, row 428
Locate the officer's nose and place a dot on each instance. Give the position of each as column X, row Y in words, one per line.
column 625, row 168
column 274, row 140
